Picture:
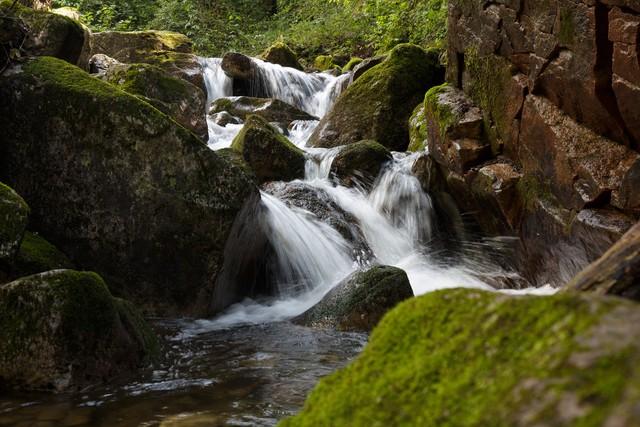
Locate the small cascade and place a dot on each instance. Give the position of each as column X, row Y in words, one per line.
column 399, row 195
column 310, row 253
column 313, row 93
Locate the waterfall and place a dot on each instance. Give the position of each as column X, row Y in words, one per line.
column 314, row 93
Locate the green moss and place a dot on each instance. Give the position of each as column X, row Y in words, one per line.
column 352, row 63
column 36, row 255
column 14, row 213
column 567, row 26
column 446, row 118
column 488, row 88
column 152, row 82
column 474, row 358
column 280, row 53
column 325, row 63
column 418, row 130
column 379, row 103
column 138, row 328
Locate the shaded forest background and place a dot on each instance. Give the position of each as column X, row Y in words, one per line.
column 342, row 28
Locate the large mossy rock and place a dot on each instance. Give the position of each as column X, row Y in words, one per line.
column 48, row 34
column 36, row 255
column 360, row 301
column 272, row 110
column 360, row 163
column 473, row 358
column 179, row 99
column 63, row 330
column 271, row 156
column 617, row 272
column 378, row 104
column 281, row 54
column 14, row 215
column 118, row 186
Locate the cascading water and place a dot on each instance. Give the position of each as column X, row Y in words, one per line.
column 313, row 93
column 396, row 217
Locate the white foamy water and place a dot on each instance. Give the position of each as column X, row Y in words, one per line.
column 314, row 93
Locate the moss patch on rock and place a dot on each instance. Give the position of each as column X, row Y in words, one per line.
column 352, row 63
column 63, row 330
column 271, row 155
column 474, row 358
column 14, row 214
column 379, row 103
column 36, row 255
column 325, row 63
column 418, row 129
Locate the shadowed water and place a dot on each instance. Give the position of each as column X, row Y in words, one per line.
column 246, row 376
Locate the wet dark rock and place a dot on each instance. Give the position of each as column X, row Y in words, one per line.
column 280, row 53
column 118, row 186
column 237, row 66
column 617, row 272
column 360, row 163
column 63, row 330
column 272, row 110
column 271, row 156
column 223, row 119
column 360, row 301
column 378, row 105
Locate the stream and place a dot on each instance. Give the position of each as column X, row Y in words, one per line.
column 250, row 365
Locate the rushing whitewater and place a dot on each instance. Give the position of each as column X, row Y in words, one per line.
column 313, row 93
column 396, row 217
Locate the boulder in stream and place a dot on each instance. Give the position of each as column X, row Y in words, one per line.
column 63, row 330
column 466, row 357
column 237, row 66
column 280, row 53
column 378, row 104
column 272, row 110
column 359, row 301
column 360, row 163
column 271, row 156
column 118, row 186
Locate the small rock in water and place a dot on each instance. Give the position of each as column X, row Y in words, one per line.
column 360, row 301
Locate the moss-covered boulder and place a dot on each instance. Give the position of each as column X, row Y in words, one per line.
column 280, row 53
column 48, row 34
column 473, row 358
column 378, row 105
column 118, row 186
column 325, row 63
column 270, row 155
column 272, row 110
column 168, row 50
column 365, row 65
column 177, row 98
column 63, row 330
column 360, row 301
column 418, row 138
column 14, row 214
column 36, row 255
column 617, row 272
column 360, row 163
column 352, row 63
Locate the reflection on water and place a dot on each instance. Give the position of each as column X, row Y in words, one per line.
column 246, row 376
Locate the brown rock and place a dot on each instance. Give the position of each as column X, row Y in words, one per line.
column 494, row 186
column 617, row 272
column 237, row 66
column 583, row 168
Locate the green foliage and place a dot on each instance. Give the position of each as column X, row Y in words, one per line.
column 122, row 15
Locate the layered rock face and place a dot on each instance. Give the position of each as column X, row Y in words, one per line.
column 537, row 129
column 118, row 186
